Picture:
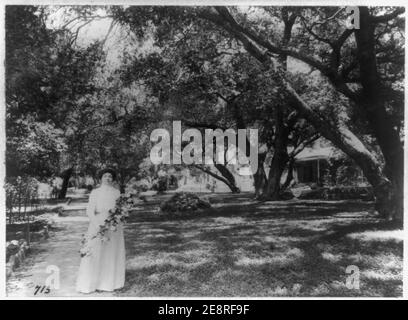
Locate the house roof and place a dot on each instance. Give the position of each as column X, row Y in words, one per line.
column 318, row 153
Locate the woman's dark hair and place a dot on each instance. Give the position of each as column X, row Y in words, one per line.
column 107, row 170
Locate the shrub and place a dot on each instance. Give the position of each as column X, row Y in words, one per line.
column 160, row 184
column 141, row 185
column 21, row 193
column 339, row 193
column 184, row 202
column 286, row 195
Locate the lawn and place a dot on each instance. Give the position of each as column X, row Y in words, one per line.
column 250, row 248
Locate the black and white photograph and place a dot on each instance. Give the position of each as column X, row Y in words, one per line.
column 185, row 151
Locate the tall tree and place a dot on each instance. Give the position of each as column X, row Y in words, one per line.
column 209, row 82
column 327, row 49
column 46, row 75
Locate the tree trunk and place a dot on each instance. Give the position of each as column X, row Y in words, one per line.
column 289, row 177
column 282, row 131
column 65, row 176
column 260, row 177
column 342, row 138
column 349, row 143
column 388, row 192
column 374, row 106
column 229, row 177
column 230, row 185
column 273, row 189
column 386, row 196
column 280, row 157
column 122, row 182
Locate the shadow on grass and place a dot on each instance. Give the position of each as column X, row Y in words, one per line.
column 251, row 248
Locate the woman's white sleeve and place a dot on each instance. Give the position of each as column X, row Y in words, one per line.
column 90, row 209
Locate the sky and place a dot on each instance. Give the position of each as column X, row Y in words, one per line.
column 94, row 30
column 117, row 39
column 97, row 29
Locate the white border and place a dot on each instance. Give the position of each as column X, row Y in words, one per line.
column 181, row 3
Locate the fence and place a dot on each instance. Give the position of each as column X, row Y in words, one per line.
column 22, row 201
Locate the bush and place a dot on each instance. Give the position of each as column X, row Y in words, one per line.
column 286, row 195
column 184, row 202
column 11, row 248
column 141, row 185
column 339, row 193
column 160, row 185
column 314, row 194
column 21, row 193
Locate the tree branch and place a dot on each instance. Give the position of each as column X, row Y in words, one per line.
column 317, row 37
column 387, row 17
column 301, row 146
column 235, row 28
column 202, row 125
column 209, row 172
column 343, row 37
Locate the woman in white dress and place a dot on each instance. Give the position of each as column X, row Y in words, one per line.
column 104, row 268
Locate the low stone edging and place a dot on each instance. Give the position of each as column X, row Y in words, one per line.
column 16, row 259
column 17, row 250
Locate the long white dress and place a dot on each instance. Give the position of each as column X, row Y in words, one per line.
column 104, row 268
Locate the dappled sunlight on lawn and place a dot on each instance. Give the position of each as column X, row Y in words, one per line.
column 243, row 203
column 281, row 258
column 262, row 249
column 396, row 235
column 379, row 275
column 361, row 214
column 230, row 220
column 187, row 259
column 334, row 258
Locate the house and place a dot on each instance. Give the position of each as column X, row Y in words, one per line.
column 326, row 164
column 312, row 163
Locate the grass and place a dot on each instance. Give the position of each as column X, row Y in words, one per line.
column 249, row 248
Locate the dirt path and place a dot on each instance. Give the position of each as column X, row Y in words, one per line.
column 60, row 250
